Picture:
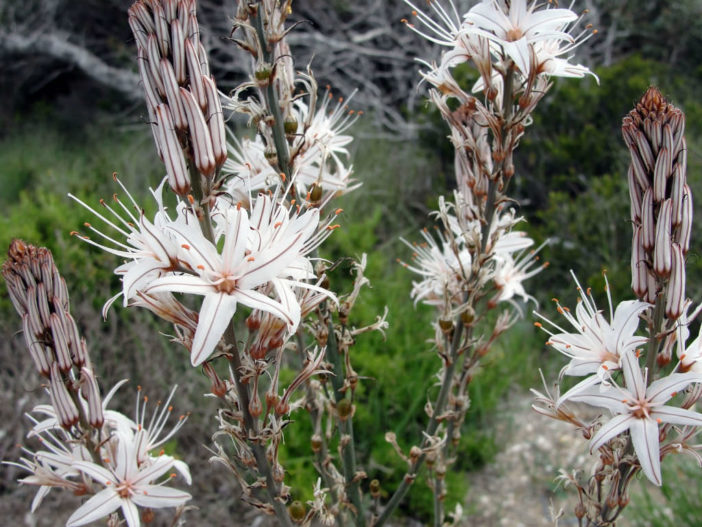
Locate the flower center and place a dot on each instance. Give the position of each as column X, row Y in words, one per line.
column 514, row 34
column 124, row 490
column 640, row 409
column 226, row 284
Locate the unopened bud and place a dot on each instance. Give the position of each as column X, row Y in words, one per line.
column 66, row 411
column 91, row 393
column 446, row 325
column 297, row 511
column 290, row 126
column 662, row 254
column 374, row 488
column 661, row 173
column 199, row 133
column 344, row 409
column 192, row 61
column 675, row 294
column 639, row 271
column 316, row 193
column 647, row 220
column 579, row 510
column 685, row 221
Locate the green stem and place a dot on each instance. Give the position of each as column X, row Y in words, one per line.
column 278, row 124
column 348, row 449
column 655, row 328
column 251, row 431
column 432, row 427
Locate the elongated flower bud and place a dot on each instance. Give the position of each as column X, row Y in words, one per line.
column 648, row 224
column 66, row 411
column 172, row 153
column 37, row 351
column 639, row 279
column 192, row 61
column 91, row 393
column 635, row 197
column 215, row 122
column 175, row 104
column 662, row 255
column 675, row 296
column 661, row 173
column 199, row 134
column 686, row 220
column 63, row 353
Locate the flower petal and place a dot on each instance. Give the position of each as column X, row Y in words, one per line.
column 103, row 503
column 159, row 497
column 215, row 314
column 610, row 430
column 644, row 436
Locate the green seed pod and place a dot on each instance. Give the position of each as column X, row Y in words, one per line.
column 297, row 511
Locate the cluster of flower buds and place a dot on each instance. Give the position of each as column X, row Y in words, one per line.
column 59, row 353
column 661, row 200
column 181, row 96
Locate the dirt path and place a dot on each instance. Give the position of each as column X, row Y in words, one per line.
column 517, row 488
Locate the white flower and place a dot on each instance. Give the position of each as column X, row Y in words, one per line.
column 596, row 345
column 513, row 31
column 252, row 255
column 640, row 410
column 128, row 485
column 445, row 267
column 146, row 245
column 511, row 270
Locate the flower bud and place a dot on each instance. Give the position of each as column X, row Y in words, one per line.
column 199, row 134
column 178, row 55
column 662, row 254
column 648, row 232
column 675, row 295
column 685, row 220
column 661, row 173
column 172, row 152
column 638, row 264
column 344, row 409
column 297, row 511
column 175, row 104
column 91, row 393
column 195, row 72
column 66, row 411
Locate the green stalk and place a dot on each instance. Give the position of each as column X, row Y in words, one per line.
column 449, row 370
column 278, row 126
column 345, row 425
column 250, row 428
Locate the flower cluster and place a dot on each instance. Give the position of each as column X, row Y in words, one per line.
column 652, row 406
column 85, row 447
column 661, row 200
column 534, row 38
column 257, row 258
